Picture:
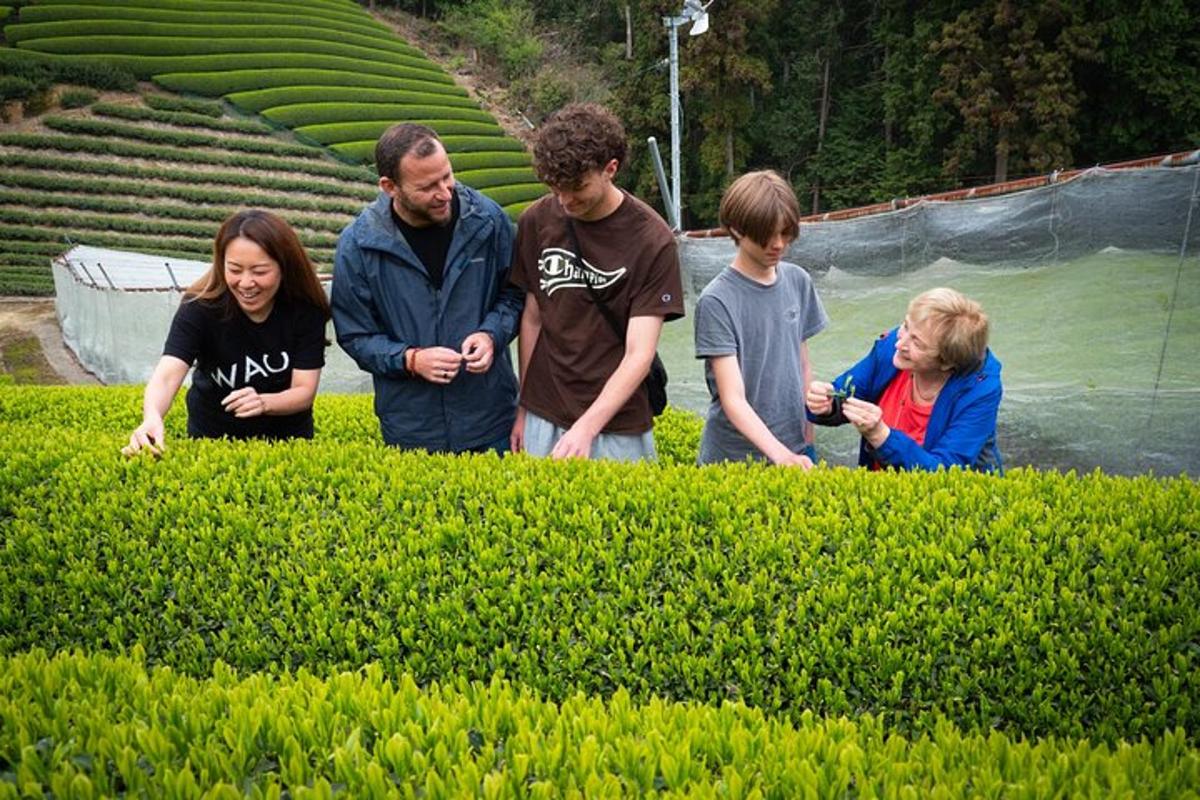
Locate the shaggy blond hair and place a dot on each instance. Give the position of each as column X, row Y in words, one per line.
column 958, row 325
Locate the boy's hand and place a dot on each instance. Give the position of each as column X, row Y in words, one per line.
column 796, row 460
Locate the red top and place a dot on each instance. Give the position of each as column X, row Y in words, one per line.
column 901, row 411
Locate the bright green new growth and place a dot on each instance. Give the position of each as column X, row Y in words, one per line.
column 1034, row 603
column 155, row 733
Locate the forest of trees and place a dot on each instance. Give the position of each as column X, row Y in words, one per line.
column 857, row 101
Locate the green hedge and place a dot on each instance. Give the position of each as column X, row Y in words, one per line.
column 182, row 139
column 162, row 102
column 148, row 56
column 79, row 726
column 40, row 248
column 185, row 44
column 19, row 259
column 182, row 119
column 508, row 195
column 212, row 31
column 515, row 210
column 181, row 247
column 501, row 176
column 338, row 132
column 363, row 27
column 266, row 99
column 81, row 71
column 213, row 84
column 464, row 162
column 301, row 114
column 121, row 224
column 364, row 150
column 26, row 285
column 337, row 12
column 79, row 144
column 1034, row 603
column 108, row 188
column 251, row 180
column 108, row 204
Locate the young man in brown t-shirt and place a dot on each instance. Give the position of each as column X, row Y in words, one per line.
column 581, row 381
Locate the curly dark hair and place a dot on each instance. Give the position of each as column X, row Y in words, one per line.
column 577, row 139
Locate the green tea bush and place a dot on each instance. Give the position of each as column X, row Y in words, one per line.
column 502, row 176
column 523, row 192
column 179, row 247
column 48, row 69
column 363, row 26
column 417, row 94
column 302, row 114
column 250, row 180
column 176, row 138
column 162, row 102
column 364, row 150
column 107, row 146
column 153, row 38
column 111, row 187
column 14, row 87
column 1033, row 603
column 214, row 84
column 338, row 132
column 122, row 224
column 335, row 14
column 183, row 119
column 514, row 210
column 26, row 285
column 76, row 725
column 76, row 98
column 464, row 162
column 149, row 58
column 108, row 204
column 177, row 54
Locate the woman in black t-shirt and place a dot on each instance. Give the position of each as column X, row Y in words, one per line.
column 254, row 326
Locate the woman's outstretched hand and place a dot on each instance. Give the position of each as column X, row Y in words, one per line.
column 819, row 398
column 147, row 436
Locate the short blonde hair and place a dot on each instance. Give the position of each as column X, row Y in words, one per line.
column 758, row 205
column 958, row 325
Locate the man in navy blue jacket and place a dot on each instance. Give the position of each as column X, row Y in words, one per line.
column 421, row 300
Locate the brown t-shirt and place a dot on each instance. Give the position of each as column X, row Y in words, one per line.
column 631, row 260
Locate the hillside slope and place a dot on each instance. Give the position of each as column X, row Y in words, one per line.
column 158, row 174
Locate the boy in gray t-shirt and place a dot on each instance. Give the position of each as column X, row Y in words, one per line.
column 752, row 325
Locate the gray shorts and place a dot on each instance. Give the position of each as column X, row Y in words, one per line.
column 541, row 435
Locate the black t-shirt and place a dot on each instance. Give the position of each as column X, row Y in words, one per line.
column 231, row 351
column 431, row 243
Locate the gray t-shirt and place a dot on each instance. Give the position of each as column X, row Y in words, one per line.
column 764, row 327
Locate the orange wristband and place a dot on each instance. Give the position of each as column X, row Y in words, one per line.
column 410, row 359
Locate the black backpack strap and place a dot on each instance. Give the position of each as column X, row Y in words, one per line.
column 605, row 311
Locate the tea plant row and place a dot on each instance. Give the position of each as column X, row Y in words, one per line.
column 77, row 726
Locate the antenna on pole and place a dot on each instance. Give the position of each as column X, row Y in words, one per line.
column 696, row 13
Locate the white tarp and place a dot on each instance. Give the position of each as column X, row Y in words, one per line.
column 115, row 309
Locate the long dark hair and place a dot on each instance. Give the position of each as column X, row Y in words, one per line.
column 298, row 279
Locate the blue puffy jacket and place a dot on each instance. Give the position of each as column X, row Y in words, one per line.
column 384, row 303
column 962, row 425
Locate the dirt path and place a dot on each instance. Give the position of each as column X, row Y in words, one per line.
column 25, row 320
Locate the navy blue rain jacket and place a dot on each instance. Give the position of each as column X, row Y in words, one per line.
column 962, row 425
column 384, row 303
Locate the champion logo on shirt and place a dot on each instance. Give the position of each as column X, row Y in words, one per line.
column 561, row 270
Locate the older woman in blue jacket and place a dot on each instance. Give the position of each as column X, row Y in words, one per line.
column 926, row 395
